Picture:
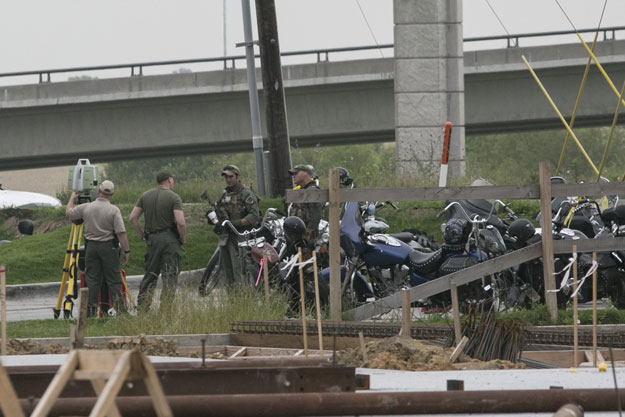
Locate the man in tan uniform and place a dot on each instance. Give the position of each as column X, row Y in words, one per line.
column 104, row 231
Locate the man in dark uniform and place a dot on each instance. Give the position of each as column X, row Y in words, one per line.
column 238, row 204
column 165, row 231
column 104, row 228
column 305, row 177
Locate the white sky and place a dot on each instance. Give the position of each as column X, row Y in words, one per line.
column 47, row 34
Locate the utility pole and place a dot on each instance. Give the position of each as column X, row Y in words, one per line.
column 273, row 90
column 257, row 135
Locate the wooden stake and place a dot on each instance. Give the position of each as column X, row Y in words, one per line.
column 79, row 341
column 458, row 350
column 575, row 329
column 455, row 305
column 3, row 308
column 405, row 314
column 363, row 347
column 318, row 305
column 9, row 403
column 547, row 240
column 266, row 276
column 594, row 313
column 302, row 301
column 335, row 248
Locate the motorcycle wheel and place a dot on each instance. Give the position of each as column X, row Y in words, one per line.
column 211, row 275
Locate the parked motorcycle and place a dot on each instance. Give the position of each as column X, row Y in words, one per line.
column 267, row 238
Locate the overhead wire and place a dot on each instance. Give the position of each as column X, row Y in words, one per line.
column 364, row 16
column 497, row 17
column 580, row 92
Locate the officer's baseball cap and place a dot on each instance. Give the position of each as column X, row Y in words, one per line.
column 306, row 168
column 230, row 170
column 107, row 187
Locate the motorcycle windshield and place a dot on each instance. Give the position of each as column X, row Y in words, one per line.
column 351, row 229
column 480, row 207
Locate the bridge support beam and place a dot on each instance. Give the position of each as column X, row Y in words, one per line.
column 429, row 84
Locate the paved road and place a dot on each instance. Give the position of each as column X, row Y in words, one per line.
column 37, row 301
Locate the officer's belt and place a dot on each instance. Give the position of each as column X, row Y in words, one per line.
column 155, row 232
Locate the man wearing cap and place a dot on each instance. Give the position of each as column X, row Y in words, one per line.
column 164, row 232
column 104, row 231
column 239, row 204
column 304, row 177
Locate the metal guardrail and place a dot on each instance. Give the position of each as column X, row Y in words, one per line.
column 136, row 69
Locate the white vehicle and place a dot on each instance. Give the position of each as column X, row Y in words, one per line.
column 24, row 199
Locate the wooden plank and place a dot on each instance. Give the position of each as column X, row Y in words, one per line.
column 81, row 325
column 458, row 350
column 155, row 389
column 3, row 309
column 56, row 386
column 335, row 248
column 547, row 240
column 386, row 304
column 591, row 358
column 9, row 404
column 589, row 245
column 363, row 347
column 98, row 387
column 404, row 331
column 240, row 352
column 455, row 305
column 455, row 193
column 118, row 377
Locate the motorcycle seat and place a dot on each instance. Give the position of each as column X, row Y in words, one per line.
column 425, row 263
column 403, row 236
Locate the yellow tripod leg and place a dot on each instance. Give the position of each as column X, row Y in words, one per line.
column 72, row 270
column 66, row 264
column 130, row 300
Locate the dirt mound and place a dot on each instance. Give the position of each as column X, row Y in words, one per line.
column 413, row 355
column 158, row 346
column 28, row 347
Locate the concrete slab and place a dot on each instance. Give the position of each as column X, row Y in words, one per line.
column 60, row 358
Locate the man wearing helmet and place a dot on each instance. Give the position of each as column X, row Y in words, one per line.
column 304, row 177
column 238, row 204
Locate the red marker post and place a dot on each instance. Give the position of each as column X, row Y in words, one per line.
column 442, row 181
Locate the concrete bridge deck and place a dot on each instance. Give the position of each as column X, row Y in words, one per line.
column 328, row 103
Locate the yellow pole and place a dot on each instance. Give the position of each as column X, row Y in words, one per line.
column 605, row 75
column 614, row 120
column 579, row 97
column 555, row 108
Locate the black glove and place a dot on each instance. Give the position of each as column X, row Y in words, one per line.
column 218, row 229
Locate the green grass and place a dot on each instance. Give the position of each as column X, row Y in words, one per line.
column 188, row 315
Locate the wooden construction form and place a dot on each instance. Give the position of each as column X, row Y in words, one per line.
column 107, row 370
column 9, row 403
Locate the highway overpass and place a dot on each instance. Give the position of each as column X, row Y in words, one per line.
column 55, row 123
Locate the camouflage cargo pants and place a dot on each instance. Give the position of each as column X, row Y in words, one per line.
column 162, row 257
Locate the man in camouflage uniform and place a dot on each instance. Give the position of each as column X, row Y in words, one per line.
column 305, row 177
column 238, row 204
column 165, row 232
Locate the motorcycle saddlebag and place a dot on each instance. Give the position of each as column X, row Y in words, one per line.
column 455, row 264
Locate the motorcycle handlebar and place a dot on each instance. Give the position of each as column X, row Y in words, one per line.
column 253, row 231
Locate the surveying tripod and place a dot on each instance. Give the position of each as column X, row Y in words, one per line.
column 70, row 272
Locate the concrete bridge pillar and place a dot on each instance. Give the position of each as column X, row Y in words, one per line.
column 429, row 84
